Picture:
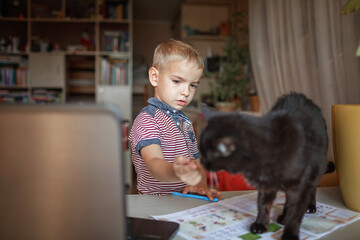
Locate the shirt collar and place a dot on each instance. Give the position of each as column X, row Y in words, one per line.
column 167, row 109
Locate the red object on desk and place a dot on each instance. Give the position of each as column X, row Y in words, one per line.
column 229, row 182
column 125, row 135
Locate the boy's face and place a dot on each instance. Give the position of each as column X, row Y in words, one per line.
column 176, row 84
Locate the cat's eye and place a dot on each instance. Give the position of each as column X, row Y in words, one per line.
column 225, row 147
column 222, row 149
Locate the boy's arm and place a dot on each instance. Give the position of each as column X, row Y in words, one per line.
column 202, row 187
column 182, row 169
column 189, row 171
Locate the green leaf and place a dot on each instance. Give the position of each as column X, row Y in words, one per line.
column 358, row 51
column 351, row 6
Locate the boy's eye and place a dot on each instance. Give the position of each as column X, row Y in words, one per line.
column 194, row 85
column 176, row 81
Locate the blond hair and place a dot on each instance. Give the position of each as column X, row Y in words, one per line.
column 174, row 50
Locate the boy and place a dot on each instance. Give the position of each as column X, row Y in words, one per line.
column 163, row 143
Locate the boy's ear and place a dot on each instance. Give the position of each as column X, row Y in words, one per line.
column 153, row 76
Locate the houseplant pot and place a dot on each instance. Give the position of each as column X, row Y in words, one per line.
column 225, row 106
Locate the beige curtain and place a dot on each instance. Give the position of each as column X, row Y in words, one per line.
column 305, row 46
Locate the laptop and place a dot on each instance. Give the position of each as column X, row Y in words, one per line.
column 62, row 175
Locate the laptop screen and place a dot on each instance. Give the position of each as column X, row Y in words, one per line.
column 61, row 172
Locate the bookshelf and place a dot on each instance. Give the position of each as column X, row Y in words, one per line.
column 59, row 51
column 65, row 44
column 205, row 25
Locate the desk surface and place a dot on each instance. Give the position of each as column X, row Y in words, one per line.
column 145, row 205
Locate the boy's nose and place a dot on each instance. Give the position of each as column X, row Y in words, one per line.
column 185, row 91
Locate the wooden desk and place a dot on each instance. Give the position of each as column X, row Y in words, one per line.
column 145, row 205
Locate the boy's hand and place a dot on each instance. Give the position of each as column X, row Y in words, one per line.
column 203, row 189
column 187, row 170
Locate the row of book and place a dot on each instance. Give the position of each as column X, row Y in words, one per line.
column 114, row 72
column 13, row 71
column 7, row 96
column 14, row 76
column 47, row 96
column 38, row 96
column 114, row 9
column 116, row 41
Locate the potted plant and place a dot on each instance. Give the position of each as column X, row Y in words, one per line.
column 232, row 79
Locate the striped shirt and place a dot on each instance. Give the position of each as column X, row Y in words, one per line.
column 159, row 123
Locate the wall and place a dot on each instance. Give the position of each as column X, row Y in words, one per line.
column 147, row 34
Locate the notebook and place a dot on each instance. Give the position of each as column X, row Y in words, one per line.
column 62, row 175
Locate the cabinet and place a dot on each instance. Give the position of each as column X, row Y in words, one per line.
column 47, row 80
column 49, row 75
column 72, row 51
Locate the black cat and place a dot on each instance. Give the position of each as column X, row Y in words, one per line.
column 284, row 150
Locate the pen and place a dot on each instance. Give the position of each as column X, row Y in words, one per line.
column 195, row 196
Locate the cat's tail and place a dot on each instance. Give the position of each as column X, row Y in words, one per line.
column 330, row 167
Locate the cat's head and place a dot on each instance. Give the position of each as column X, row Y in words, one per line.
column 221, row 144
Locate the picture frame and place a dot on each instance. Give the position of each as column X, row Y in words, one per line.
column 39, row 10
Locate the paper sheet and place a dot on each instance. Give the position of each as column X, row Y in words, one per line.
column 231, row 219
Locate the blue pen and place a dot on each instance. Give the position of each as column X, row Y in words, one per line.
column 195, row 196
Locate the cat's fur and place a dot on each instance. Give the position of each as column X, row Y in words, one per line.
column 284, row 150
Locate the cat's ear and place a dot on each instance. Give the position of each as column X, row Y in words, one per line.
column 226, row 146
column 208, row 112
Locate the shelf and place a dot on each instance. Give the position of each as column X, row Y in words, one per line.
column 205, row 38
column 81, row 53
column 14, row 96
column 82, row 89
column 110, row 20
column 13, row 53
column 80, row 76
column 122, row 55
column 13, row 19
column 13, row 87
column 47, row 95
column 64, row 20
column 48, row 87
column 126, row 87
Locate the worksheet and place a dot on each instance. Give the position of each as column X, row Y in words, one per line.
column 231, row 219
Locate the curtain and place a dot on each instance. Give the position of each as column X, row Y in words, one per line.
column 305, row 46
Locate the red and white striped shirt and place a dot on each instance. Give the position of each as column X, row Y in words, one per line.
column 159, row 123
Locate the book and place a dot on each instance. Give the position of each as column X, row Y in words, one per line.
column 115, row 9
column 13, row 96
column 114, row 72
column 13, row 71
column 112, row 40
column 116, row 41
column 46, row 95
